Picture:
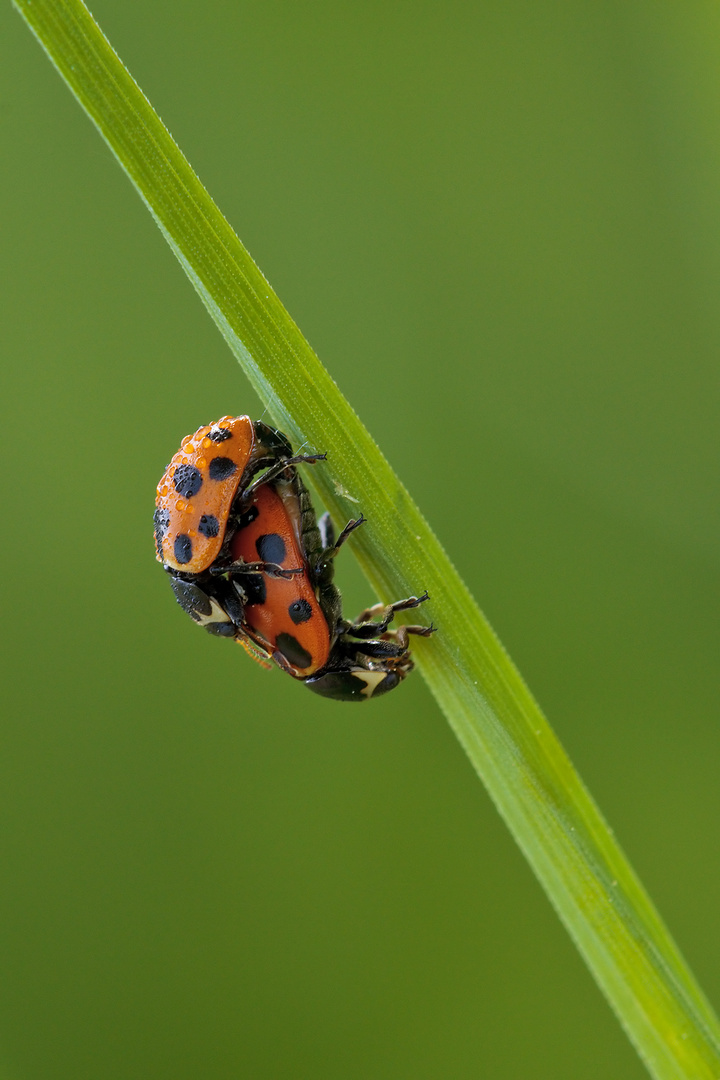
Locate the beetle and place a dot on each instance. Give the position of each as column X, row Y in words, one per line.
column 247, row 558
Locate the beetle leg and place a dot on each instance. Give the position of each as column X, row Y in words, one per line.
column 331, row 546
column 375, row 620
column 351, row 526
column 277, row 469
column 269, row 568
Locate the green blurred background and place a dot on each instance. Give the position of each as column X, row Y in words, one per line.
column 500, row 227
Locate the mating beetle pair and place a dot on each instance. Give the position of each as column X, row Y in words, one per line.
column 237, row 533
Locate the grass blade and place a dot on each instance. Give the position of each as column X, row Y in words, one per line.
column 526, row 771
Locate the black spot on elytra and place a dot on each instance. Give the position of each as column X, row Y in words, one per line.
column 299, row 611
column 221, row 468
column 182, row 548
column 270, row 548
column 209, row 525
column 161, row 518
column 219, row 434
column 293, row 651
column 187, row 480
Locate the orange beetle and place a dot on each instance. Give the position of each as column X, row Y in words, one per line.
column 282, row 615
column 236, row 532
column 196, row 494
